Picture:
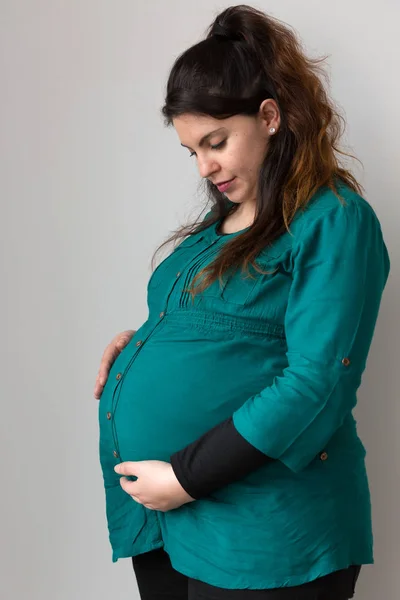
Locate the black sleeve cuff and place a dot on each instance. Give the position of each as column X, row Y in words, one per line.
column 219, row 457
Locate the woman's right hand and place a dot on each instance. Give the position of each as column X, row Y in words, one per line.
column 109, row 355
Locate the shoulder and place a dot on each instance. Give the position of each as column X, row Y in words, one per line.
column 343, row 234
column 350, row 217
column 329, row 224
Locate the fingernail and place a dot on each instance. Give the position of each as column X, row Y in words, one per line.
column 116, row 468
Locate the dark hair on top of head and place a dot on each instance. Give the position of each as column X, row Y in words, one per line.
column 246, row 57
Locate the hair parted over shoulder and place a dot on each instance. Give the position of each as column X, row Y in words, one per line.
column 246, row 57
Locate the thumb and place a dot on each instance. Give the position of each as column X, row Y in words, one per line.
column 127, row 468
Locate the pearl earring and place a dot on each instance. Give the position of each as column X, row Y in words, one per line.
column 272, row 130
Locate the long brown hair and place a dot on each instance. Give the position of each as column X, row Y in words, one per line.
column 246, row 57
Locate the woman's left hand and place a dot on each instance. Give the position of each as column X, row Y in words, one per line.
column 156, row 488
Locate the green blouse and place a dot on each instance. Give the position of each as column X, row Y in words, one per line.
column 283, row 354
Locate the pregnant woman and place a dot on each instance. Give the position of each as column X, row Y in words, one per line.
column 230, row 454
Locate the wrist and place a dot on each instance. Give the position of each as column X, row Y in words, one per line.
column 179, row 491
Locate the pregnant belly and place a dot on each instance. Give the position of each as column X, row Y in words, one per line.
column 181, row 385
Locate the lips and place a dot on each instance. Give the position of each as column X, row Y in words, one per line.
column 222, row 182
column 224, row 186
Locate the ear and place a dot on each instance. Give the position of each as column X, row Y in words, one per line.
column 269, row 115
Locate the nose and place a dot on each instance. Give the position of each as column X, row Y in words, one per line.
column 207, row 166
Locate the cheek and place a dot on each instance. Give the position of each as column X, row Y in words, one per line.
column 244, row 161
column 231, row 162
column 248, row 172
column 252, row 165
column 248, row 160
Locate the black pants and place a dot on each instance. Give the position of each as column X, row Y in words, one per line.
column 158, row 580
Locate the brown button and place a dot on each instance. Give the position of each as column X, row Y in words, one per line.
column 108, row 415
column 323, row 455
column 118, row 376
column 346, row 361
column 139, row 342
column 161, row 315
column 115, row 454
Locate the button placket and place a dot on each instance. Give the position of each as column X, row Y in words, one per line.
column 139, row 344
column 118, row 381
column 118, row 387
column 114, row 401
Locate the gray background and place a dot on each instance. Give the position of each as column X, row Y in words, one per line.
column 91, row 182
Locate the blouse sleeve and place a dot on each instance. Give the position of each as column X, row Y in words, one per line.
column 340, row 268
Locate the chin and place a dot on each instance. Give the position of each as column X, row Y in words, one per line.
column 233, row 197
column 235, row 200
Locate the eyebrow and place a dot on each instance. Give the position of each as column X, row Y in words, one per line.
column 205, row 137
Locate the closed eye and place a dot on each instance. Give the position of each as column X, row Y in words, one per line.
column 215, row 147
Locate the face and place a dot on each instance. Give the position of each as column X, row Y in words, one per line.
column 230, row 149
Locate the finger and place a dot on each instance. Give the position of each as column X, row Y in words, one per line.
column 97, row 391
column 124, row 338
column 100, row 379
column 135, row 499
column 109, row 356
column 99, row 384
column 130, row 487
column 111, row 352
column 149, row 506
column 98, row 388
column 128, row 467
column 121, row 342
column 103, row 374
